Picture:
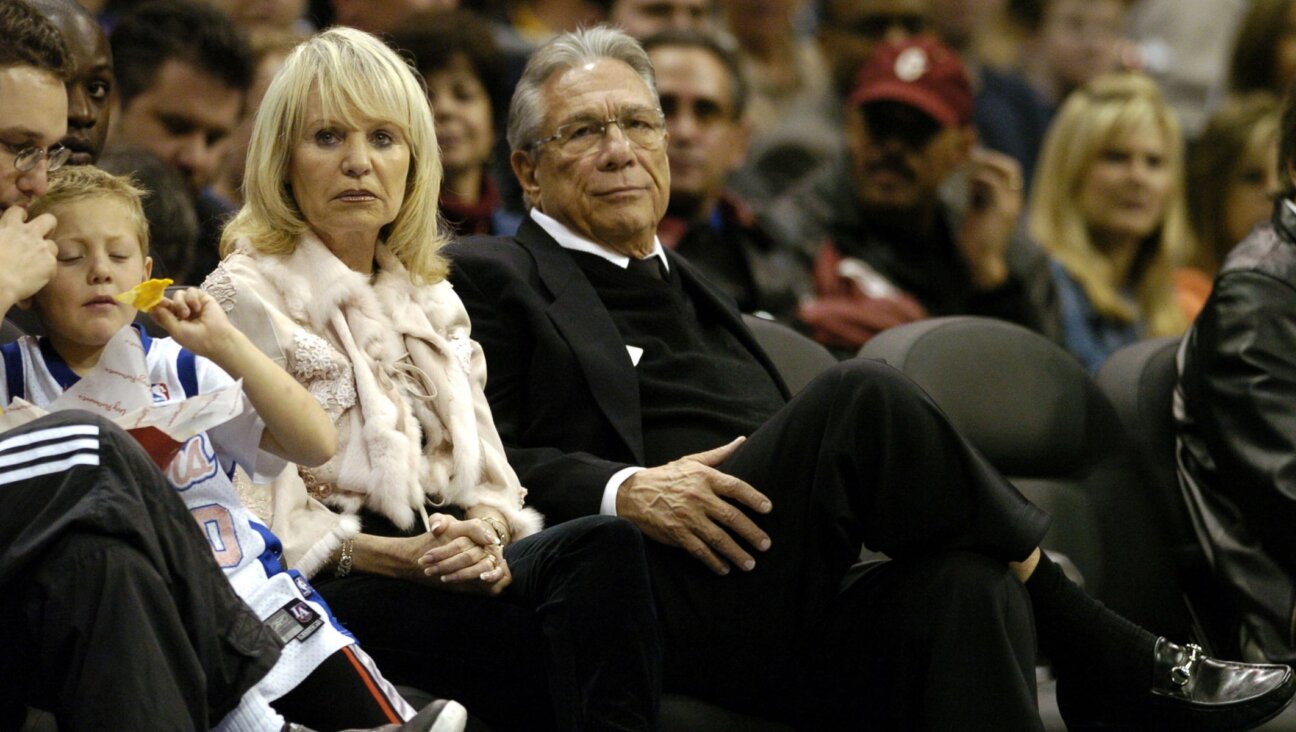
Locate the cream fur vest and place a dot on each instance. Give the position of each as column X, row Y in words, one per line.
column 394, row 365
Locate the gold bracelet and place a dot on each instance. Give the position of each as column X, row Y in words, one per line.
column 501, row 532
column 343, row 567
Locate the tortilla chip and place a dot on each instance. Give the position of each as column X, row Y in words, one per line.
column 146, row 295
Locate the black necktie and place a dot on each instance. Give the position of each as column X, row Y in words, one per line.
column 649, row 267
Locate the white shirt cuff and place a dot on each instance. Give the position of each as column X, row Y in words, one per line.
column 607, row 506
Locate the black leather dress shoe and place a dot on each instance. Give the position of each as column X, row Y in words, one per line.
column 1192, row 691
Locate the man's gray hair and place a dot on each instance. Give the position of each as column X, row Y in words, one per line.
column 569, row 50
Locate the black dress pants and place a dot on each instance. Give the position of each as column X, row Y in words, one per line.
column 116, row 616
column 862, row 456
column 572, row 643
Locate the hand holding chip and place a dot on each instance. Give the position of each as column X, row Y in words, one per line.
column 195, row 320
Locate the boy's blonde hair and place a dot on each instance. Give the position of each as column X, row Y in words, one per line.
column 74, row 183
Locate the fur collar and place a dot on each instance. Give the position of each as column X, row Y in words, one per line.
column 415, row 429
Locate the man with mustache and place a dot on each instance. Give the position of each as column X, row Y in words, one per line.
column 918, row 221
column 703, row 95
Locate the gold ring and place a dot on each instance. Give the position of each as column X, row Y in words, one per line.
column 494, row 562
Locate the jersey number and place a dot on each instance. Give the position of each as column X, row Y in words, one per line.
column 218, row 526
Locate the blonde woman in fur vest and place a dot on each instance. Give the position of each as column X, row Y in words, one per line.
column 415, row 532
column 1108, row 205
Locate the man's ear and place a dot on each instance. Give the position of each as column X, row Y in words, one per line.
column 967, row 142
column 739, row 141
column 855, row 130
column 148, row 268
column 524, row 169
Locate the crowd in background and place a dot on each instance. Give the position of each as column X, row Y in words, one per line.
column 1109, row 155
column 1082, row 168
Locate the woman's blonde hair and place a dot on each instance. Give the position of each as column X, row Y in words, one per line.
column 351, row 74
column 75, row 183
column 1095, row 116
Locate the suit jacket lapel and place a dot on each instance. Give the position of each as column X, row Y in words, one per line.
column 585, row 323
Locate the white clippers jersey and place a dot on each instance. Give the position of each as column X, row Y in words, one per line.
column 245, row 549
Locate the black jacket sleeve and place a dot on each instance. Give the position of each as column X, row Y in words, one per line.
column 536, row 392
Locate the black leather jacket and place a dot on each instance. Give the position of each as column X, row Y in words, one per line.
column 1235, row 407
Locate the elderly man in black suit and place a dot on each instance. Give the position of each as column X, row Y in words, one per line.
column 608, row 354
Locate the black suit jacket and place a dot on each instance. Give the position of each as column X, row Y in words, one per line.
column 560, row 382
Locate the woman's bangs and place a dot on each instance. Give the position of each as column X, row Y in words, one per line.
column 352, row 91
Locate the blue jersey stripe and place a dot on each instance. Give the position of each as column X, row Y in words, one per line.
column 14, row 370
column 187, row 370
column 271, row 558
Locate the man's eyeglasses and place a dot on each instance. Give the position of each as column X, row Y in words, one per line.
column 643, row 128
column 27, row 157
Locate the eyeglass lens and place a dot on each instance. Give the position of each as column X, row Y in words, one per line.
column 30, row 157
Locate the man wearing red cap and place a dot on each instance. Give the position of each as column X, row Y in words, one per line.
column 918, row 221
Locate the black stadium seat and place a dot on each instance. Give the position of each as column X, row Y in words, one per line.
column 1036, row 414
column 1140, row 380
column 797, row 358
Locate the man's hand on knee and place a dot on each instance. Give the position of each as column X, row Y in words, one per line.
column 689, row 504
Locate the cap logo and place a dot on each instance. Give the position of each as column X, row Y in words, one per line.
column 911, row 64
